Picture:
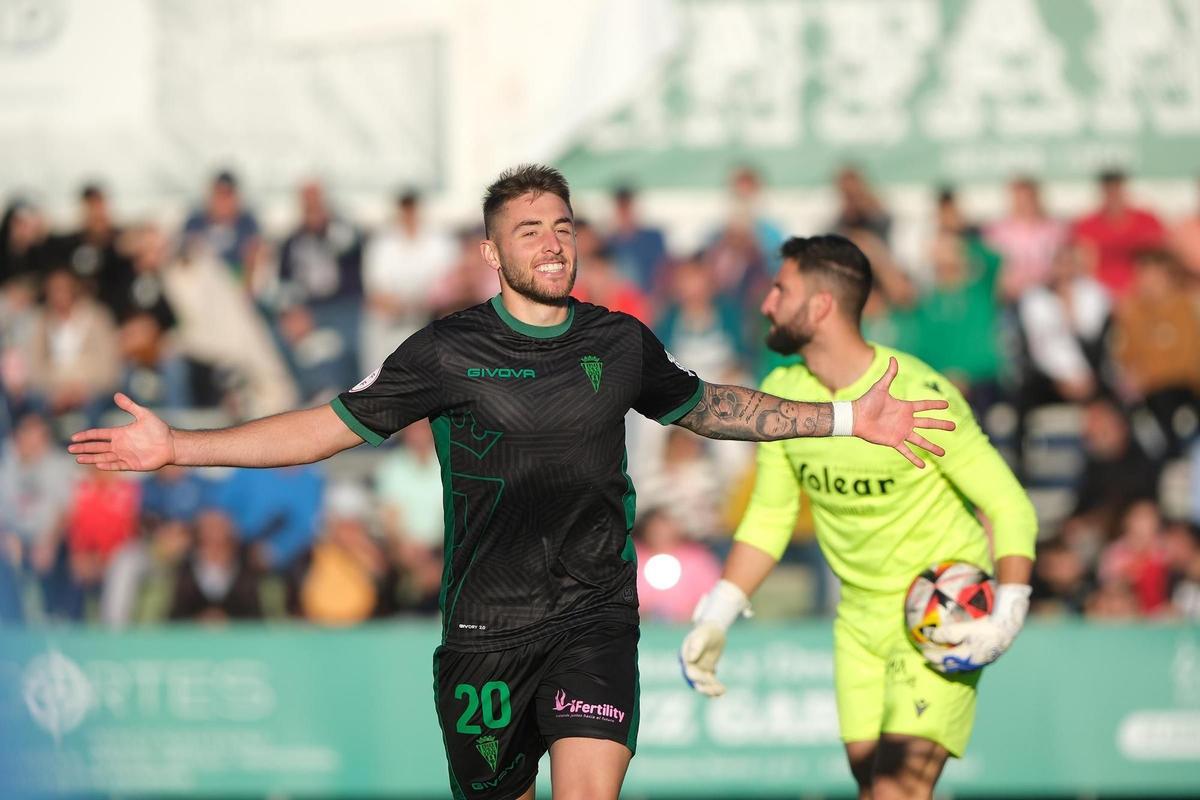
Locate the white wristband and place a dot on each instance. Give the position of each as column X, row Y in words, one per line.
column 843, row 418
column 724, row 603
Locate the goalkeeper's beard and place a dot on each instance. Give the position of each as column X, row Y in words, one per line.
column 787, row 341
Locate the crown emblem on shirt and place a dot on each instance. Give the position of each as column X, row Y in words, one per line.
column 594, row 367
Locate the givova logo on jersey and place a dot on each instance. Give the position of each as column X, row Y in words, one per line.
column 500, row 373
column 823, row 481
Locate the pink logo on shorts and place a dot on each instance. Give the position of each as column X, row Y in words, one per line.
column 567, row 707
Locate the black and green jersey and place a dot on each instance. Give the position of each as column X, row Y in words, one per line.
column 529, row 424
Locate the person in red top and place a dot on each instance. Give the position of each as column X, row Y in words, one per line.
column 103, row 515
column 1111, row 236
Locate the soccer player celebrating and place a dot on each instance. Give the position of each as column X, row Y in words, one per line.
column 527, row 396
column 879, row 524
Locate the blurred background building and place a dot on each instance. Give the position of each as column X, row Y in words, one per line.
column 235, row 207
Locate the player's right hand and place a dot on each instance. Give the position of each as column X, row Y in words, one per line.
column 143, row 445
column 699, row 655
column 880, row 418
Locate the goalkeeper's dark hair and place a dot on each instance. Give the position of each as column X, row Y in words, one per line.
column 520, row 180
column 838, row 264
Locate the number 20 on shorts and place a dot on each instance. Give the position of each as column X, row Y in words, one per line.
column 487, row 698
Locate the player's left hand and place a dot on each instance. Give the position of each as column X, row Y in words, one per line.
column 883, row 419
column 981, row 641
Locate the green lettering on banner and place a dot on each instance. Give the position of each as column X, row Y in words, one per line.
column 915, row 92
column 249, row 710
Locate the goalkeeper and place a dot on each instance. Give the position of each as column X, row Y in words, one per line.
column 879, row 524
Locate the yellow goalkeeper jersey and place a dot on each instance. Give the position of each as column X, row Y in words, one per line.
column 879, row 519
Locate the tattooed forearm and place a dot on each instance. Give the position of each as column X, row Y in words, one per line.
column 735, row 412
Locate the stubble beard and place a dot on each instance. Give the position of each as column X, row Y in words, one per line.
column 524, row 283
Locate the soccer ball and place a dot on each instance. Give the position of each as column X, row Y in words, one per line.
column 952, row 591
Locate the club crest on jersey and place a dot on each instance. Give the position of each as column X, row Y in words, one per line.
column 489, row 748
column 367, row 381
column 594, row 368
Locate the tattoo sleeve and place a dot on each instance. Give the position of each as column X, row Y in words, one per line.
column 735, row 412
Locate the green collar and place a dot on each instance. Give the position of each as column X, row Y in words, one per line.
column 536, row 331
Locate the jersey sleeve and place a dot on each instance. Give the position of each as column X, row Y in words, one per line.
column 668, row 391
column 980, row 474
column 404, row 389
column 770, row 517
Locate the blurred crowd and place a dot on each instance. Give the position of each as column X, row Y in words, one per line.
column 1076, row 341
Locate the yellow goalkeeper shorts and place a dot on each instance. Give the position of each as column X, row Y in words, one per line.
column 884, row 685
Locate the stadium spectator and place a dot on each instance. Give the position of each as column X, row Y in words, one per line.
column 1061, row 580
column 600, row 282
column 347, row 578
column 19, row 316
column 700, row 327
column 1063, row 327
column 1157, row 345
column 223, row 228
column 859, row 207
column 1181, row 544
column 949, row 216
column 955, row 322
column 673, row 573
column 469, row 280
column 320, row 273
column 36, row 484
column 156, row 372
column 744, row 248
column 1116, row 474
column 95, row 252
column 172, row 499
column 1138, row 557
column 1112, row 601
column 1028, row 240
column 401, row 264
column 1111, row 236
column 687, row 481
column 75, row 363
column 1184, row 239
column 102, row 516
column 639, row 250
column 277, row 515
column 218, row 326
column 215, row 582
column 408, row 482
column 22, row 241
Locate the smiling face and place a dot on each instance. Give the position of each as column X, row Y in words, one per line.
column 532, row 245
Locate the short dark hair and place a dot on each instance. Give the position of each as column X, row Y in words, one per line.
column 408, row 197
column 1111, row 175
column 837, row 262
column 90, row 192
column 521, row 180
column 226, row 179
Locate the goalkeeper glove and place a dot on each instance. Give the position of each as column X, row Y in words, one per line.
column 701, row 648
column 979, row 642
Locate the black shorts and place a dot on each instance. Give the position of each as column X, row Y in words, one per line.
column 500, row 711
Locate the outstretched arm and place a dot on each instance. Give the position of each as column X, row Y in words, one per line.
column 147, row 443
column 736, row 412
